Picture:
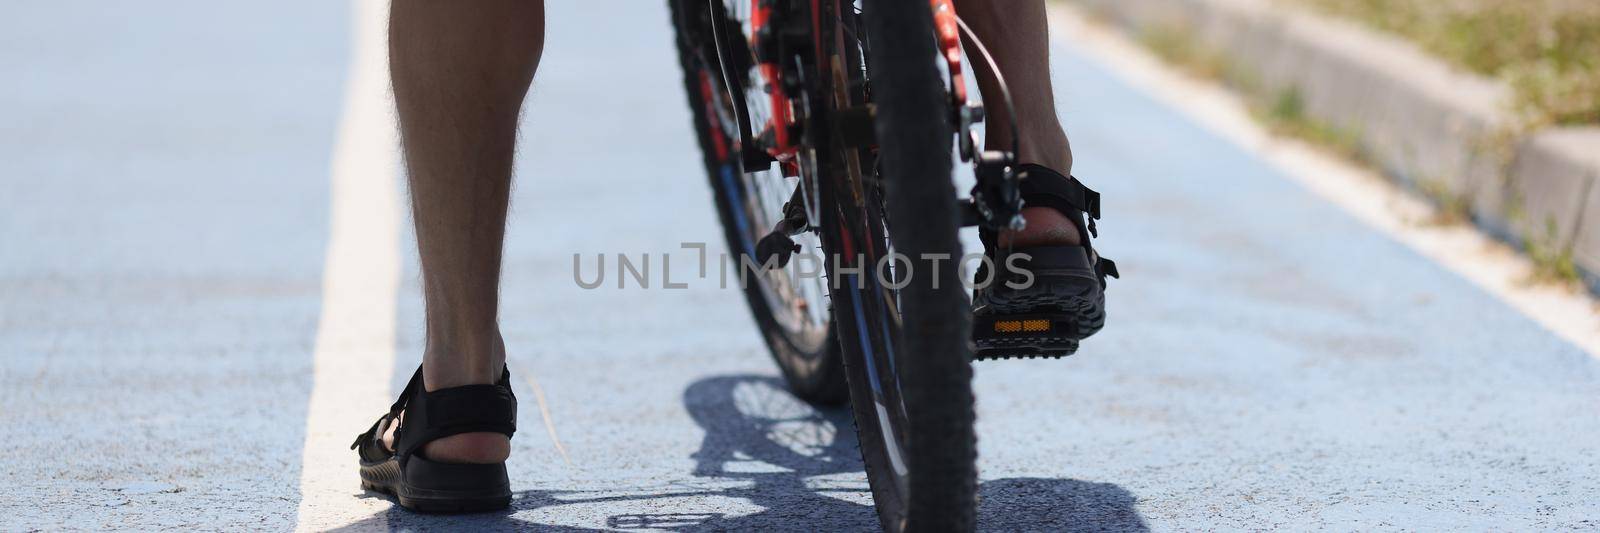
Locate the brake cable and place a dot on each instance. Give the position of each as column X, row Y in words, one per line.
column 1005, row 90
column 1016, row 137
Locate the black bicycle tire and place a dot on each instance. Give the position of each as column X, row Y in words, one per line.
column 914, row 138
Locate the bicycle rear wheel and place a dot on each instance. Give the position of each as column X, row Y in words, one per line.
column 789, row 303
column 903, row 323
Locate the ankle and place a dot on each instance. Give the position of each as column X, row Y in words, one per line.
column 1048, row 148
column 454, row 361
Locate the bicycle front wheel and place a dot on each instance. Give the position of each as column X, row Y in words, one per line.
column 890, row 214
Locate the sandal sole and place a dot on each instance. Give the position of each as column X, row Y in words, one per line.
column 492, row 493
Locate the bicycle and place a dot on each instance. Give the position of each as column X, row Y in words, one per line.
column 854, row 102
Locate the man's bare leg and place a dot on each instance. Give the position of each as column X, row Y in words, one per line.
column 461, row 70
column 1018, row 37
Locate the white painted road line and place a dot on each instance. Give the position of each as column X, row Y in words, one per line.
column 354, row 354
column 1491, row 265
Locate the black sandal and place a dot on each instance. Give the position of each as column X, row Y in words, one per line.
column 428, row 486
column 1065, row 301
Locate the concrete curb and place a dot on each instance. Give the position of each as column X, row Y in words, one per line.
column 1432, row 128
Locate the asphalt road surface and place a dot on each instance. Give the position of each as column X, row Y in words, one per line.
column 195, row 317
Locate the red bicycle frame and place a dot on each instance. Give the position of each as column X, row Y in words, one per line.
column 782, row 147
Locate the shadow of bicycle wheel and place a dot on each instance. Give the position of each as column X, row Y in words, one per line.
column 797, row 463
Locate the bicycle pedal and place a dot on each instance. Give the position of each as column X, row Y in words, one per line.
column 1047, row 335
column 776, row 248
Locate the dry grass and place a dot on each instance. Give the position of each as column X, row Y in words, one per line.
column 1552, row 61
column 1547, row 50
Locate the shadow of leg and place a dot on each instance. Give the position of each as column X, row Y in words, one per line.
column 1039, row 504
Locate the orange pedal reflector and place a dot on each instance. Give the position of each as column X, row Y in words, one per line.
column 1026, row 326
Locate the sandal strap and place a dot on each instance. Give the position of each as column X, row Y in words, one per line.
column 1042, row 187
column 432, row 415
column 1106, row 267
column 399, row 405
column 368, row 445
